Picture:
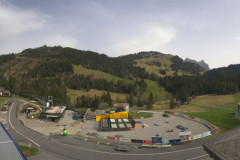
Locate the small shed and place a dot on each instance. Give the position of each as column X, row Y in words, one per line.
column 6, row 92
column 1, row 90
column 119, row 107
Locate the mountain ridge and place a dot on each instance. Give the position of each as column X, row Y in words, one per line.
column 201, row 63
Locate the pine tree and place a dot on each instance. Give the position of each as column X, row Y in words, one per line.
column 130, row 99
column 108, row 99
column 150, row 101
column 139, row 102
column 172, row 103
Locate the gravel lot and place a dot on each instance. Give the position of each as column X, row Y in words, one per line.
column 145, row 133
column 47, row 128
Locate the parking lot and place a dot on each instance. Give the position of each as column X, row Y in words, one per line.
column 152, row 126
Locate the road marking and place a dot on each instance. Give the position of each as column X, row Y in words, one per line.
column 198, row 157
column 147, row 154
column 18, row 131
column 226, row 139
column 6, row 142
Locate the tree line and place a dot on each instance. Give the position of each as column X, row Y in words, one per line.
column 218, row 81
column 50, row 69
column 6, row 58
column 79, row 82
column 37, row 87
column 93, row 102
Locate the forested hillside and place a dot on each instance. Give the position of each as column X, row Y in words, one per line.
column 217, row 81
column 71, row 74
column 87, row 59
column 53, row 71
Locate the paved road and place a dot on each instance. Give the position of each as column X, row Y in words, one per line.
column 60, row 149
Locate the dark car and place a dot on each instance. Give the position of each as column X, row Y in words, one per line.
column 166, row 115
column 181, row 127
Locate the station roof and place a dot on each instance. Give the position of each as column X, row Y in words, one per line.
column 8, row 148
column 56, row 109
column 121, row 104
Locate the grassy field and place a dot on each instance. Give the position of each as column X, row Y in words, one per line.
column 222, row 118
column 158, row 92
column 216, row 100
column 29, row 100
column 33, row 151
column 139, row 115
column 155, row 89
column 188, row 109
column 76, row 93
column 165, row 61
column 99, row 74
column 3, row 99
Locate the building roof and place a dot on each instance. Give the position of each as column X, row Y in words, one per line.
column 6, row 91
column 56, row 109
column 1, row 89
column 30, row 105
column 121, row 104
column 8, row 148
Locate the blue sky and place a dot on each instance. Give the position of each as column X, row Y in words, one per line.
column 206, row 30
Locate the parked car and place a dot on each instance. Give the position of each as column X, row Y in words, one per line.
column 166, row 115
column 181, row 127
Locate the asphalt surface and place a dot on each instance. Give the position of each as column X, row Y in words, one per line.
column 59, row 147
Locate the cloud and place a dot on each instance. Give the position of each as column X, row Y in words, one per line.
column 237, row 38
column 149, row 38
column 15, row 21
column 199, row 26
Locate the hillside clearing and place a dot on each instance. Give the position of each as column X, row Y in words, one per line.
column 99, row 74
column 222, row 118
column 78, row 93
column 215, row 100
column 153, row 87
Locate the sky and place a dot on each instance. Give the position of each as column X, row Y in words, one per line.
column 206, row 30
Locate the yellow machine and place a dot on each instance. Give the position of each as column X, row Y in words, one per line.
column 118, row 115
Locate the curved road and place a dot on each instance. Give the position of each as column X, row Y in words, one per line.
column 65, row 151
